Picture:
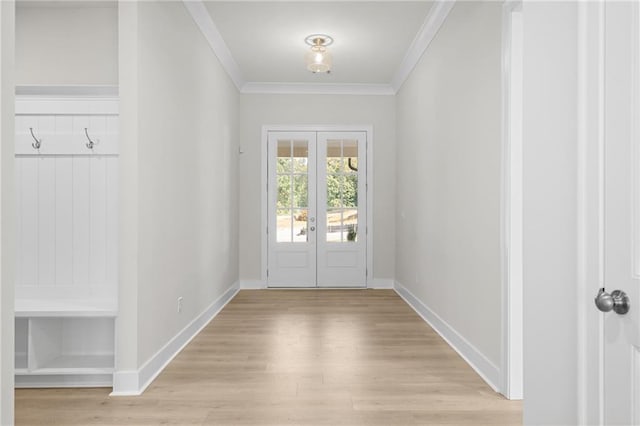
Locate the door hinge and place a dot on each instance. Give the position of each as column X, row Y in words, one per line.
column 267, row 273
column 366, row 272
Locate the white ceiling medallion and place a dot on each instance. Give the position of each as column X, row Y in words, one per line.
column 319, row 59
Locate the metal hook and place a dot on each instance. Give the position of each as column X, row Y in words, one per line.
column 90, row 143
column 37, row 143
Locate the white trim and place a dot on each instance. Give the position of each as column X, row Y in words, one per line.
column 489, row 372
column 264, row 202
column 63, row 380
column 370, row 185
column 67, row 91
column 511, row 376
column 252, row 284
column 202, row 18
column 126, row 383
column 380, row 283
column 368, row 129
column 135, row 382
column 66, row 105
column 317, row 89
column 432, row 24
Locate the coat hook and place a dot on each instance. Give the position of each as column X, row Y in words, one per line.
column 90, row 143
column 37, row 143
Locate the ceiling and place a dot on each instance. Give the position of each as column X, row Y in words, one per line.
column 266, row 38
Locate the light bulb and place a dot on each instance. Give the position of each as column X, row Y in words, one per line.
column 319, row 60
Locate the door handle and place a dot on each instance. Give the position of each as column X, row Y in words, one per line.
column 618, row 301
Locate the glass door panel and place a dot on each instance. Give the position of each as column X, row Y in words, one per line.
column 291, row 254
column 341, row 247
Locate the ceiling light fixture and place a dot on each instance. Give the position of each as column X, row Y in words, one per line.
column 319, row 59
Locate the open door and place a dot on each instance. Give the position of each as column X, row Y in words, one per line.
column 619, row 298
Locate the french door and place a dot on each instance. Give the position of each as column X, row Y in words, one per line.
column 621, row 209
column 617, row 26
column 316, row 212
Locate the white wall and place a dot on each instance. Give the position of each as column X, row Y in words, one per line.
column 259, row 110
column 7, row 210
column 128, row 247
column 550, row 213
column 448, row 168
column 73, row 44
column 183, row 119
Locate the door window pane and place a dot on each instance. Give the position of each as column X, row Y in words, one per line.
column 334, row 225
column 284, row 156
column 300, row 228
column 350, row 154
column 350, row 190
column 334, row 156
column 283, row 226
column 300, row 156
column 350, row 230
column 300, row 191
column 334, row 190
column 284, row 192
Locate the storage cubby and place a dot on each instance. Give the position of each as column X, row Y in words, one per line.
column 71, row 345
column 64, row 351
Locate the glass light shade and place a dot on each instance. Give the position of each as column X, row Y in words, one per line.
column 319, row 59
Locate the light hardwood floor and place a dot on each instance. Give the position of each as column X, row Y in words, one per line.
column 294, row 357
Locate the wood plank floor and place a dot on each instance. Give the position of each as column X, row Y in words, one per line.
column 292, row 357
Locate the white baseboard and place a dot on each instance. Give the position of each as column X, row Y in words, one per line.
column 485, row 368
column 252, row 284
column 63, row 380
column 380, row 283
column 126, row 383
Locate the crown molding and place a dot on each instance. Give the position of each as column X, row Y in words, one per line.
column 434, row 20
column 317, row 89
column 202, row 18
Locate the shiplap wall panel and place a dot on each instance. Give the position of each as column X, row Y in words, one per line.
column 28, row 212
column 64, row 220
column 98, row 221
column 46, row 221
column 67, row 205
column 112, row 220
column 81, row 220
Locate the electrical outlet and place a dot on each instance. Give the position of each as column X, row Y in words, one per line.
column 179, row 304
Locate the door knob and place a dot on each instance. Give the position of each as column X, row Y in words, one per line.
column 313, row 228
column 618, row 301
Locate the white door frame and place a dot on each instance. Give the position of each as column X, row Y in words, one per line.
column 368, row 129
column 511, row 208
